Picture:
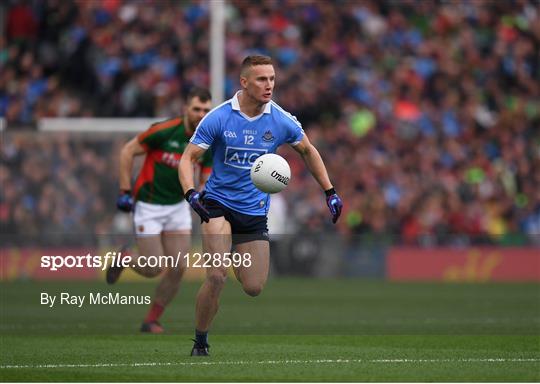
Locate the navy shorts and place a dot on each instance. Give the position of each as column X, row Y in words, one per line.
column 244, row 228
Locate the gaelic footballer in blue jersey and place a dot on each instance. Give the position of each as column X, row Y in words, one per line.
column 233, row 210
column 236, row 141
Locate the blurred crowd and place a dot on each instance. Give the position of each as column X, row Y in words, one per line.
column 427, row 113
column 57, row 188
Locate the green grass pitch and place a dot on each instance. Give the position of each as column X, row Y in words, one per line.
column 297, row 330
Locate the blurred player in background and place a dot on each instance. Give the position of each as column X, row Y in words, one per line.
column 162, row 218
column 233, row 210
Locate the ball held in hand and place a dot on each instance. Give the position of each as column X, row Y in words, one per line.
column 270, row 173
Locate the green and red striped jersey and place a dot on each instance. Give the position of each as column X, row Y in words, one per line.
column 164, row 143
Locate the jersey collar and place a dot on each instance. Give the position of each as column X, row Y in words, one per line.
column 236, row 106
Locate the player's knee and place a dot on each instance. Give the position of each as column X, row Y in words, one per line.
column 216, row 279
column 152, row 272
column 175, row 273
column 253, row 289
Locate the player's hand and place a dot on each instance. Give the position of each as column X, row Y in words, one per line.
column 124, row 202
column 195, row 199
column 334, row 204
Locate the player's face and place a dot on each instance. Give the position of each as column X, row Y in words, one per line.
column 259, row 82
column 196, row 110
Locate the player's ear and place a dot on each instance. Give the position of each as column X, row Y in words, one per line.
column 243, row 81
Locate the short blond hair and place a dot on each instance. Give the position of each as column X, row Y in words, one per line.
column 253, row 60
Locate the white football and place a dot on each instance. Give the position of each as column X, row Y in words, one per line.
column 270, row 173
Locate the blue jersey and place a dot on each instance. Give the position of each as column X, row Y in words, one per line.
column 236, row 141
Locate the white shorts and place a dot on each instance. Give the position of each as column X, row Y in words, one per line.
column 152, row 219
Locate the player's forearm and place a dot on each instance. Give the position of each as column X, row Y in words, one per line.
column 126, row 166
column 186, row 174
column 316, row 166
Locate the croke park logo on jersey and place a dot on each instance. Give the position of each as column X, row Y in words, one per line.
column 242, row 157
column 268, row 136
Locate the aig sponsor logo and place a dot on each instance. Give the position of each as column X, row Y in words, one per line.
column 230, row 134
column 242, row 157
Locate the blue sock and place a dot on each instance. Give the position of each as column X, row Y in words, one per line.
column 201, row 337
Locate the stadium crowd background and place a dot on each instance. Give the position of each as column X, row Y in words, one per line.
column 427, row 113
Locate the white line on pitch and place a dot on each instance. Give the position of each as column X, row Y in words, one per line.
column 269, row 362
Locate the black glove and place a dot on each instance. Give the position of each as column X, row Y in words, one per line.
column 124, row 202
column 195, row 199
column 334, row 204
